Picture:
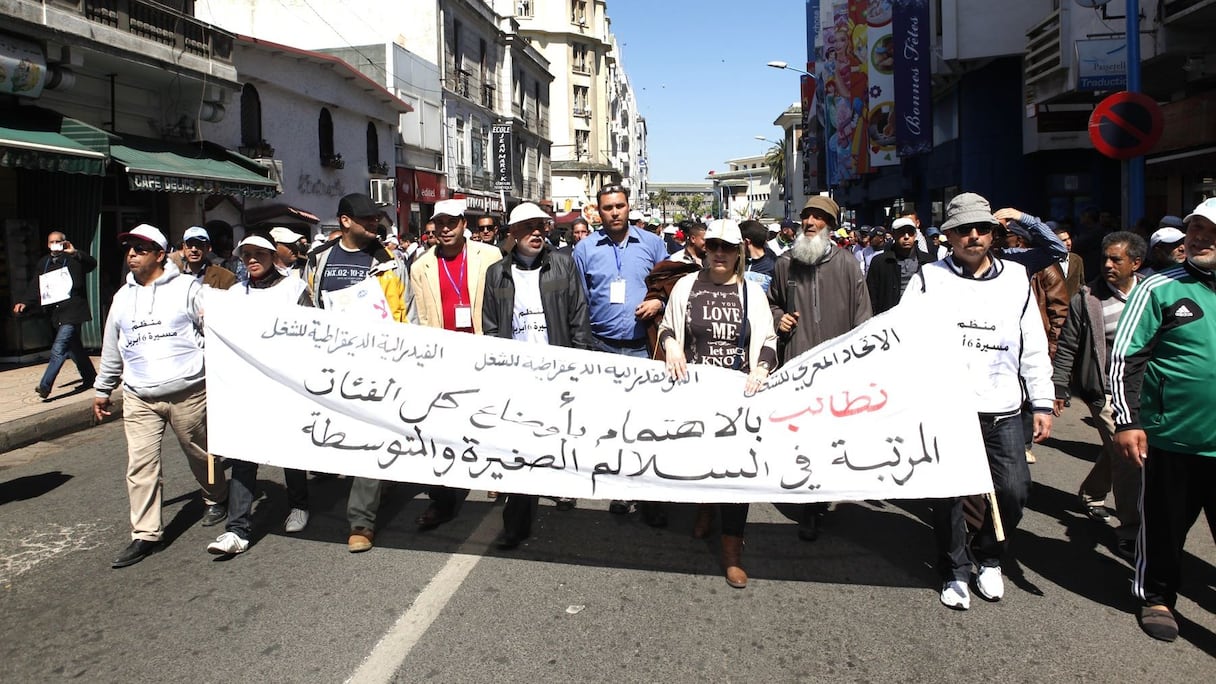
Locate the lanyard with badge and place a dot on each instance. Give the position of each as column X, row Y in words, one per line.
column 616, row 290
column 464, row 312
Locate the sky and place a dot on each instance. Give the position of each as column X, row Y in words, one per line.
column 698, row 68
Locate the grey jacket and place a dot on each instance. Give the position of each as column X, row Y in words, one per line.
column 830, row 297
column 1080, row 362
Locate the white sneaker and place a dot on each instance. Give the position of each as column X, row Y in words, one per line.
column 297, row 520
column 228, row 543
column 989, row 583
column 956, row 595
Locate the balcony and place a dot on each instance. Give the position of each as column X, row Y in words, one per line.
column 1193, row 14
column 155, row 22
column 462, row 82
column 481, row 180
column 581, row 111
column 463, row 176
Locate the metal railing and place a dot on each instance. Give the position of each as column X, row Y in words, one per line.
column 462, row 176
column 159, row 23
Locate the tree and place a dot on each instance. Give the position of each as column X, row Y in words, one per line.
column 662, row 198
column 692, row 204
column 775, row 159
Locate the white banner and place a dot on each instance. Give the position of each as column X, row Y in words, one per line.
column 55, row 286
column 854, row 419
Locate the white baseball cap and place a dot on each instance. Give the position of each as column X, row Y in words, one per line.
column 196, row 233
column 1206, row 209
column 526, row 212
column 450, row 207
column 147, row 233
column 725, row 230
column 636, row 215
column 284, row 235
column 1168, row 236
column 903, row 222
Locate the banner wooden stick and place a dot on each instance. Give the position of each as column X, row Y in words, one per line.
column 210, row 469
column 997, row 527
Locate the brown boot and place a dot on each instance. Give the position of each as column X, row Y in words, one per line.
column 705, row 520
column 732, row 551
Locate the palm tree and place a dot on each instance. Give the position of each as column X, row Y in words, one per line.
column 775, row 159
column 662, row 198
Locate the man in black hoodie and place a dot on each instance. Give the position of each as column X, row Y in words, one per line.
column 892, row 268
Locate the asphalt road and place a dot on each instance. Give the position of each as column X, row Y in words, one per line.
column 591, row 597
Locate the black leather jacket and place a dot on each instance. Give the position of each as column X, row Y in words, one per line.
column 561, row 296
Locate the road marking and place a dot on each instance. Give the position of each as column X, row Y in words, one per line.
column 40, row 547
column 389, row 655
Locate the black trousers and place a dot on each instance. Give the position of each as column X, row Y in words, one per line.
column 1176, row 488
column 447, row 499
column 518, row 514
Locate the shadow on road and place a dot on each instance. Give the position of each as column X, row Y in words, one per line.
column 31, row 486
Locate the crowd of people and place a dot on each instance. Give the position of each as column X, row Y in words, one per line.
column 1134, row 343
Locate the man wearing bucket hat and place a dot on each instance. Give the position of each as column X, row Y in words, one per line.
column 1163, row 387
column 1001, row 347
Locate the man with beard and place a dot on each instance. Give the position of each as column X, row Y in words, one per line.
column 533, row 295
column 817, row 293
column 1001, row 349
column 1163, row 386
column 891, row 269
column 340, row 265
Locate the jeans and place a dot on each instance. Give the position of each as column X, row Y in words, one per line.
column 242, row 487
column 635, row 349
column 1003, row 442
column 67, row 343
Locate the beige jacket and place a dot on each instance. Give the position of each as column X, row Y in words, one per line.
column 424, row 280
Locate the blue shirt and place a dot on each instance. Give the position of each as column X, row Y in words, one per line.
column 600, row 262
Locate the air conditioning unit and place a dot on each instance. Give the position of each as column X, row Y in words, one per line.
column 275, row 167
column 383, row 191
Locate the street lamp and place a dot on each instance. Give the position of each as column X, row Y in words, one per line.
column 777, row 64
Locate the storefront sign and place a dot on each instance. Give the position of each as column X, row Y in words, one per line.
column 1102, row 64
column 480, row 203
column 501, row 147
column 913, row 83
column 429, row 188
column 207, row 186
column 22, row 67
column 405, row 187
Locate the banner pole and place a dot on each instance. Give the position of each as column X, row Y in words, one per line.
column 210, row 469
column 997, row 527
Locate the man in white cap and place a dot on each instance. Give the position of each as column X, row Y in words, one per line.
column 638, row 220
column 1001, row 348
column 153, row 344
column 1163, row 387
column 196, row 260
column 533, row 295
column 1165, row 250
column 291, row 248
column 449, row 282
column 355, row 261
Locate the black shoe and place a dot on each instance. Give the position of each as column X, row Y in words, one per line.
column 1159, row 624
column 507, row 541
column 433, row 517
column 135, row 552
column 86, row 383
column 564, row 504
column 619, row 508
column 808, row 529
column 1099, row 513
column 654, row 514
column 42, row 393
column 1126, row 549
column 216, row 514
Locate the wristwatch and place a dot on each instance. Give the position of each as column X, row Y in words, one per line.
column 765, row 366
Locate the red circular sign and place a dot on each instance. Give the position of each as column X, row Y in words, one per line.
column 1126, row 125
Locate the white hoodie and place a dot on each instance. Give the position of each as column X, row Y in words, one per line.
column 153, row 338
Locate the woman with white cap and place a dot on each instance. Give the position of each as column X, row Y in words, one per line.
column 692, row 332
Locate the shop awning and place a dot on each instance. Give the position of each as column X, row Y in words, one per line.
column 42, row 140
column 280, row 213
column 204, row 168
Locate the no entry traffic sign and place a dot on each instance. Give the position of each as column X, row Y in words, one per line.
column 1125, row 125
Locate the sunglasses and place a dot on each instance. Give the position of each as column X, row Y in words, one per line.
column 141, row 248
column 979, row 228
column 907, row 231
column 720, row 246
column 487, row 228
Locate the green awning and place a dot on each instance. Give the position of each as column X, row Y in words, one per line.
column 206, row 168
column 47, row 150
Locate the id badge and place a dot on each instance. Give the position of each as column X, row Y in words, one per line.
column 464, row 317
column 616, row 292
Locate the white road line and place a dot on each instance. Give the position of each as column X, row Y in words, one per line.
column 388, row 655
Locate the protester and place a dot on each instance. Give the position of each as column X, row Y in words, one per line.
column 760, row 259
column 68, row 310
column 1165, row 250
column 196, row 260
column 533, row 295
column 287, row 245
column 613, row 263
column 787, row 232
column 817, row 293
column 892, row 269
column 271, row 282
column 356, row 264
column 486, row 229
column 450, row 285
column 692, row 332
column 1163, row 386
column 153, row 344
column 1073, row 267
column 1081, row 363
column 1003, row 346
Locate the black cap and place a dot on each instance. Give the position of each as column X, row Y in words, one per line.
column 790, row 223
column 356, row 205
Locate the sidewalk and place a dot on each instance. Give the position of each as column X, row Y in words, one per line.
column 25, row 418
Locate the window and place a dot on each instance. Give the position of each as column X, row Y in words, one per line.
column 479, row 143
column 459, row 142
column 251, row 117
column 582, row 141
column 373, row 145
column 581, row 106
column 523, row 8
column 578, row 12
column 325, row 135
column 580, row 58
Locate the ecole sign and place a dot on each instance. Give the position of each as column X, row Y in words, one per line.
column 1126, row 125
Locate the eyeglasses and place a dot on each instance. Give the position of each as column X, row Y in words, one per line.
column 979, row 228
column 609, row 189
column 720, row 246
column 905, row 231
column 141, row 248
column 490, row 227
column 194, row 244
